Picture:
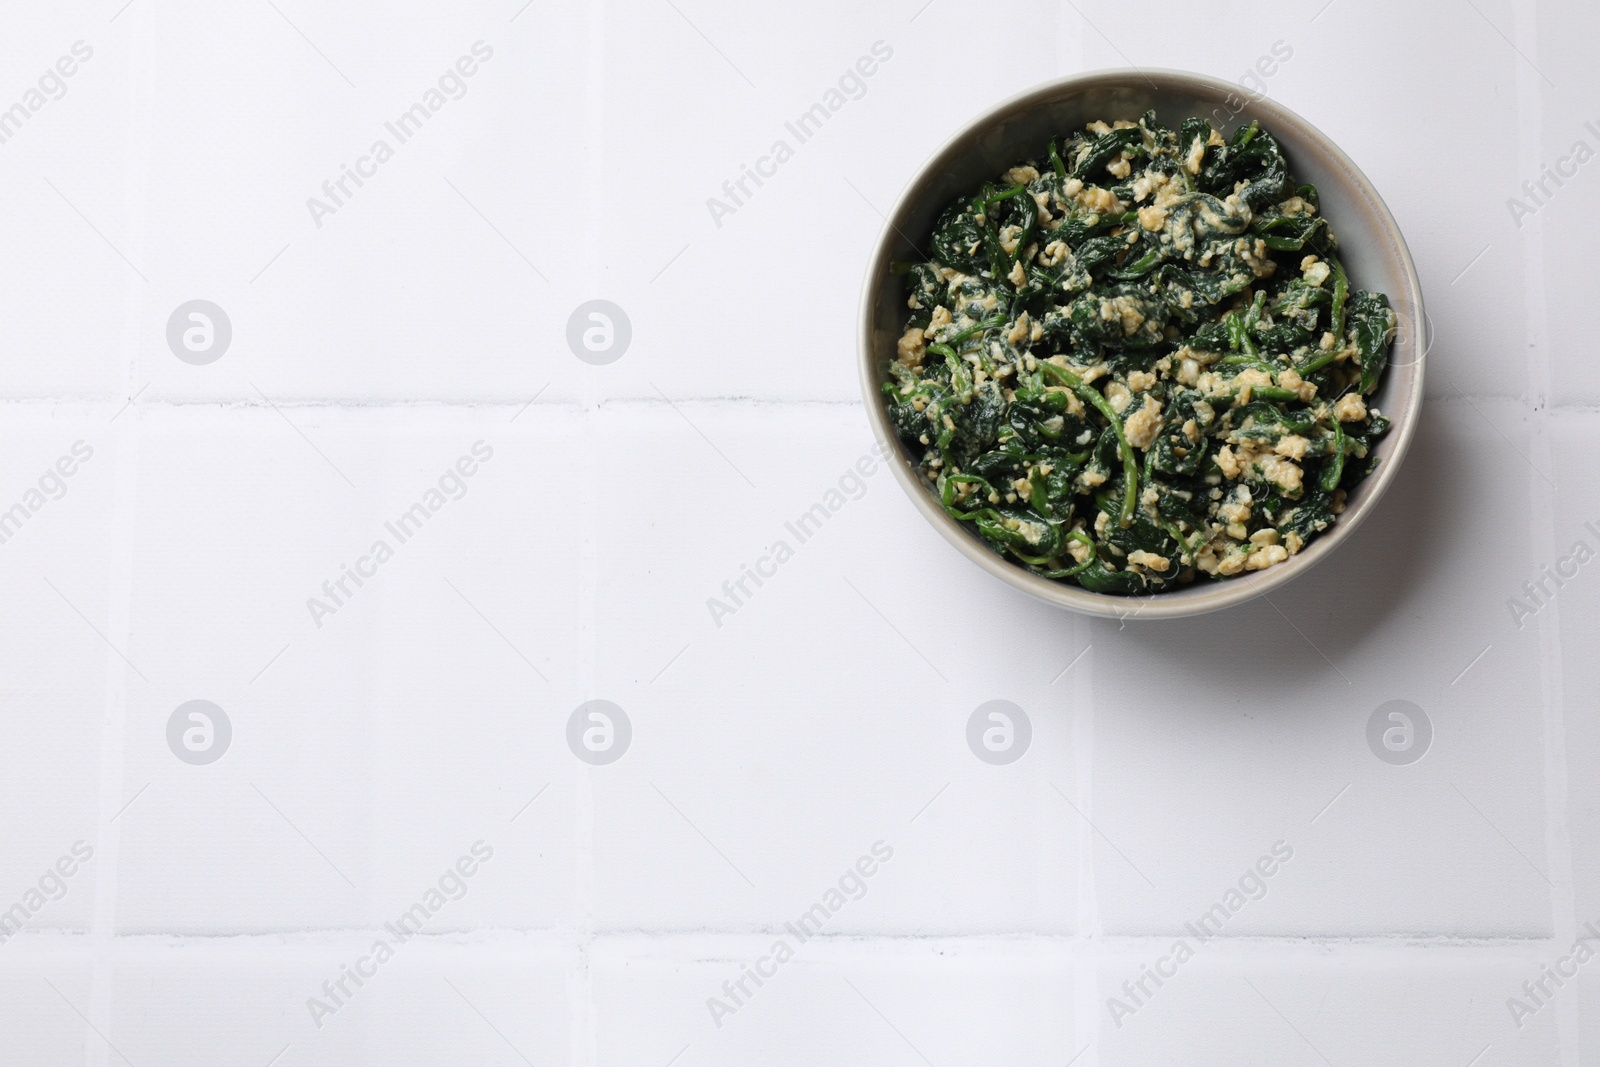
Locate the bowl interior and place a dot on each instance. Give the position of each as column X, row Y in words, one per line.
column 1371, row 247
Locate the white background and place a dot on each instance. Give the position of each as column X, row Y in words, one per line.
column 829, row 712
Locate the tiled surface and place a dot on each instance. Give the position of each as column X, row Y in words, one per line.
column 244, row 1000
column 1305, row 1008
column 1551, row 208
column 891, row 1005
column 798, row 769
column 47, row 992
column 1401, row 850
column 1560, row 618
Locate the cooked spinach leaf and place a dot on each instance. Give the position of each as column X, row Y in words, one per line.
column 1137, row 360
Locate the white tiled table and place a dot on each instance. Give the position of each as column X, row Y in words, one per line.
column 772, row 747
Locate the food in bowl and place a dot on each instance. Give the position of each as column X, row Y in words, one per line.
column 1136, row 361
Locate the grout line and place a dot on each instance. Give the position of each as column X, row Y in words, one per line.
column 125, row 449
column 113, row 743
column 1542, row 522
column 687, row 943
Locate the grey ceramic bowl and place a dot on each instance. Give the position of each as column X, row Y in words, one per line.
column 1370, row 246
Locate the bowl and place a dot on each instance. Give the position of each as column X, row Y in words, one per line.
column 1370, row 246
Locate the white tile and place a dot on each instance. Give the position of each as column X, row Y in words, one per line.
column 824, row 712
column 1567, row 228
column 446, row 274
column 1582, row 996
column 48, row 872
column 805, row 718
column 426, row 1002
column 411, row 723
column 1141, row 34
column 1447, row 216
column 57, row 513
column 797, row 240
column 1555, row 206
column 1212, row 744
column 897, row 1004
column 71, row 276
column 1315, row 1005
column 1559, row 610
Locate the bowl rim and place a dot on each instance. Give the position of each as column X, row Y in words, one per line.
column 1162, row 605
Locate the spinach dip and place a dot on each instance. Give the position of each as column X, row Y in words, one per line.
column 1137, row 361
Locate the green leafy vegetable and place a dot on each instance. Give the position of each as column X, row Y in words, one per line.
column 1137, row 361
